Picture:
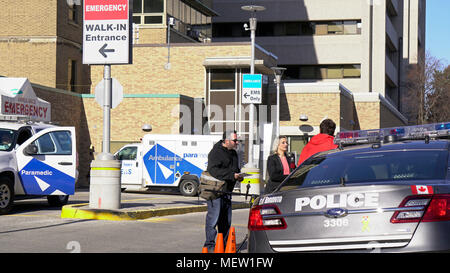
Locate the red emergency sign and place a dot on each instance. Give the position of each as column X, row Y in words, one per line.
column 106, row 9
column 18, row 108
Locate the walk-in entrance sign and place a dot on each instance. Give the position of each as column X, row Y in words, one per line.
column 106, row 41
column 107, row 32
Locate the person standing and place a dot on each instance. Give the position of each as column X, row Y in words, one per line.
column 223, row 164
column 279, row 165
column 321, row 142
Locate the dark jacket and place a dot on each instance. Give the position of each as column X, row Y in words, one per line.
column 223, row 164
column 275, row 171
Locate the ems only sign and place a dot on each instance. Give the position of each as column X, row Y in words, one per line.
column 107, row 31
column 252, row 88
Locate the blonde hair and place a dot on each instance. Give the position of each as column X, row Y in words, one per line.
column 276, row 143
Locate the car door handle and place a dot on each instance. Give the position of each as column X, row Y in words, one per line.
column 65, row 163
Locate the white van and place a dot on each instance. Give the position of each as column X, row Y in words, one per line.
column 166, row 161
column 36, row 159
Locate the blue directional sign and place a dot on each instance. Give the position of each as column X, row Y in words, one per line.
column 251, row 88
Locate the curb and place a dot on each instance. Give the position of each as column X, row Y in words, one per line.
column 75, row 211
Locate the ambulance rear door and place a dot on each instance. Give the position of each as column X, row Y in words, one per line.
column 47, row 162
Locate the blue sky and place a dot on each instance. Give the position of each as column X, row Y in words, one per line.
column 438, row 29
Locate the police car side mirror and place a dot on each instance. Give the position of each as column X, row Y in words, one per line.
column 31, row 149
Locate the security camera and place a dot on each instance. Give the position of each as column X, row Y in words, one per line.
column 303, row 117
column 246, row 27
column 147, row 128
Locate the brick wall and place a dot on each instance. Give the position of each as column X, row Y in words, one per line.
column 33, row 60
column 28, row 17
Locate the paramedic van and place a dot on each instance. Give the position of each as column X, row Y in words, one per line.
column 36, row 159
column 165, row 161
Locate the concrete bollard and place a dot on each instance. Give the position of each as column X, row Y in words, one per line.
column 104, row 192
column 252, row 180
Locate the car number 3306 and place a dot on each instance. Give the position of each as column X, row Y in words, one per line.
column 330, row 223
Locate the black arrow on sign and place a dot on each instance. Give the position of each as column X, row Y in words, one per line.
column 103, row 50
column 246, row 95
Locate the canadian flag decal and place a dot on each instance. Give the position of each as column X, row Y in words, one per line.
column 421, row 189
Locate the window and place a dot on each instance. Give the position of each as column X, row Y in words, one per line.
column 335, row 72
column 56, row 143
column 309, row 28
column 73, row 11
column 222, row 79
column 148, row 12
column 127, row 153
column 317, row 72
column 335, row 27
column 6, row 139
column 397, row 166
column 352, row 71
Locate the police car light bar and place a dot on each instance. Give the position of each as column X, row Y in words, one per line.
column 434, row 130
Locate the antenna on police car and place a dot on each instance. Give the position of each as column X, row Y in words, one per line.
column 342, row 181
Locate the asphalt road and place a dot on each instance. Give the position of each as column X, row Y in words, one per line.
column 33, row 227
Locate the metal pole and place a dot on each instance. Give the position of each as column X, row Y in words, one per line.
column 278, row 79
column 107, row 109
column 278, row 73
column 252, row 106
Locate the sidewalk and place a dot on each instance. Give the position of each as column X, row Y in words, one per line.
column 140, row 205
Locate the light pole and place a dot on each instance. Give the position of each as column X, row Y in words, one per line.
column 170, row 23
column 253, row 9
column 278, row 72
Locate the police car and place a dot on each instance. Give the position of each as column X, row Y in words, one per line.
column 384, row 190
column 36, row 159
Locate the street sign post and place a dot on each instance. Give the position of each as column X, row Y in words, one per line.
column 251, row 88
column 107, row 40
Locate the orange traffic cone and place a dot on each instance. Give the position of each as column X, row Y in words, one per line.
column 204, row 249
column 231, row 243
column 219, row 244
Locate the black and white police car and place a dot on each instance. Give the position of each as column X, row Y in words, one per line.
column 383, row 190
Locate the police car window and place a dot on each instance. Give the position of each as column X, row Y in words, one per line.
column 6, row 139
column 369, row 167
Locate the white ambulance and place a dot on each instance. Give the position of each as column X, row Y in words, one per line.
column 166, row 161
column 36, row 159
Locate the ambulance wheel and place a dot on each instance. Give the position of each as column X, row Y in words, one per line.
column 57, row 200
column 189, row 187
column 6, row 195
